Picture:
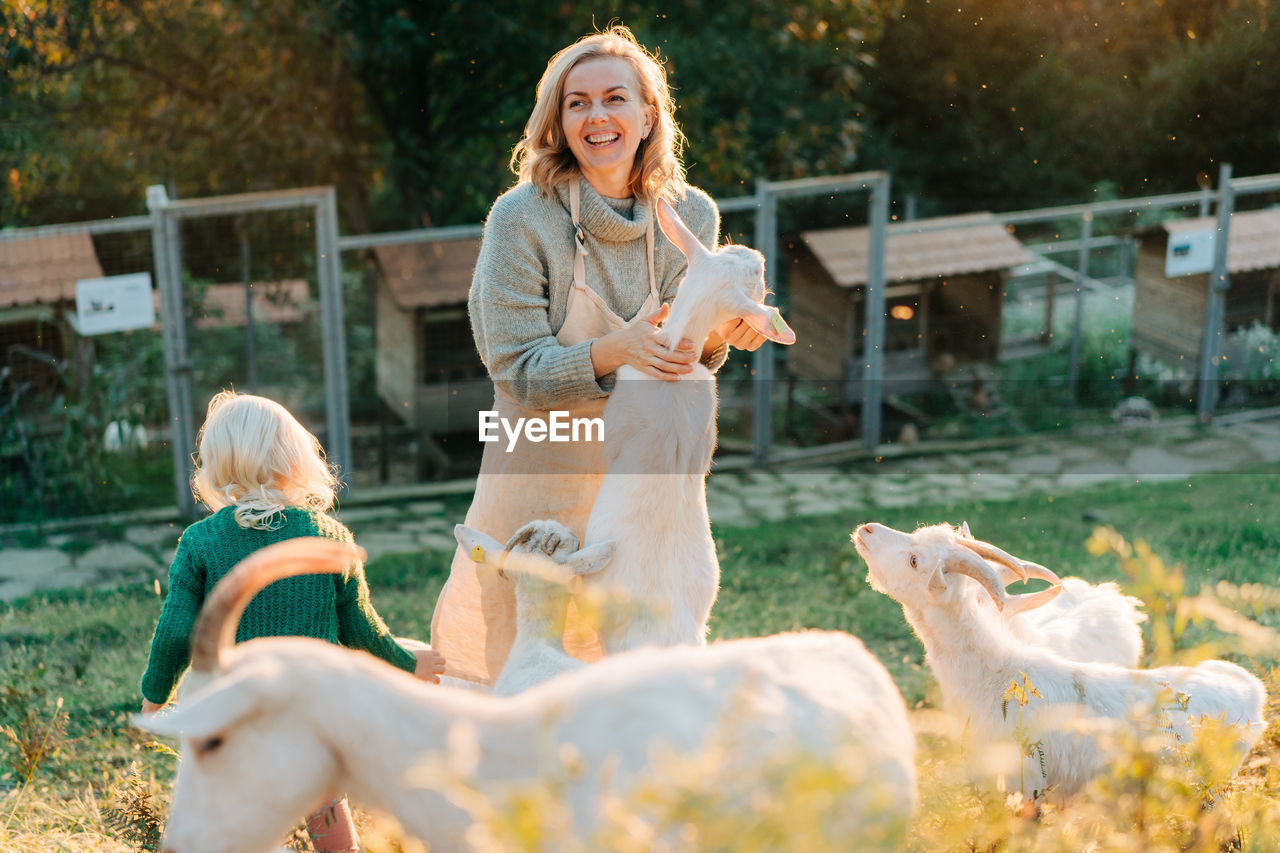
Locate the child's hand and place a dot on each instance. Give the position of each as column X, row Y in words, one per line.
column 149, row 707
column 430, row 665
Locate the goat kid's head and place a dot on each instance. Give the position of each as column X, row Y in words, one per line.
column 926, row 566
column 243, row 752
column 546, row 550
column 718, row 287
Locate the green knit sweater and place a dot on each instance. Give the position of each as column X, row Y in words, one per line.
column 328, row 607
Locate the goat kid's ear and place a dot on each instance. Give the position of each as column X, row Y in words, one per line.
column 677, row 232
column 592, row 559
column 767, row 321
column 482, row 547
column 214, row 708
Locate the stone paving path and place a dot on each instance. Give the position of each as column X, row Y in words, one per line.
column 1048, row 464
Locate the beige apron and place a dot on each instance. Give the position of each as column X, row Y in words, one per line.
column 475, row 617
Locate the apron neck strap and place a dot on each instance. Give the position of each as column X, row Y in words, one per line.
column 648, row 239
column 580, row 241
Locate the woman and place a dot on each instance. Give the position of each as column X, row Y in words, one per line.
column 569, row 285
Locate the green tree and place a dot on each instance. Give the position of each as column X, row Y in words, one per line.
column 411, row 108
column 1012, row 103
column 108, row 97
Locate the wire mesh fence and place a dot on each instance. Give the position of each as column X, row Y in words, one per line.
column 81, row 416
column 251, row 295
column 1064, row 335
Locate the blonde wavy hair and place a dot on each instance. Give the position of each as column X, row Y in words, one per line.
column 255, row 456
column 543, row 157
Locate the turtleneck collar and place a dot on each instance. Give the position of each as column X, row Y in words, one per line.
column 601, row 220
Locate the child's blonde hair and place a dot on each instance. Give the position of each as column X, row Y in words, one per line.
column 256, row 456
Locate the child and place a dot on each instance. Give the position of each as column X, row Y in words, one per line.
column 266, row 479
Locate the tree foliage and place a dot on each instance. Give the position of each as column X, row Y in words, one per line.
column 411, row 107
column 1011, row 103
column 207, row 97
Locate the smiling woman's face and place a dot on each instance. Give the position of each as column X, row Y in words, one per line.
column 604, row 120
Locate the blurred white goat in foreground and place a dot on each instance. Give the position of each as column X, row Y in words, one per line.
column 659, row 438
column 282, row 722
column 932, row 573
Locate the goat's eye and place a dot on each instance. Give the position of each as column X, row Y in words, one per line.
column 914, row 562
column 208, row 745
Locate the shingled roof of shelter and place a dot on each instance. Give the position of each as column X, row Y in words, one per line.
column 1253, row 242
column 976, row 243
column 45, row 269
column 424, row 275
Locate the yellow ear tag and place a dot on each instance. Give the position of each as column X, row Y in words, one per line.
column 477, row 554
column 778, row 325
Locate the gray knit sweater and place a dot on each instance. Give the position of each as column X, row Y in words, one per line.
column 523, row 276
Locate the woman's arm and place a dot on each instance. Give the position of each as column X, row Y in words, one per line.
column 508, row 306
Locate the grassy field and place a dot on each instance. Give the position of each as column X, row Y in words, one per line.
column 75, row 776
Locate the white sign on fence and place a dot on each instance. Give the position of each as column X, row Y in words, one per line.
column 116, row 303
column 1189, row 252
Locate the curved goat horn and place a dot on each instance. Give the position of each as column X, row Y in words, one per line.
column 215, row 630
column 1006, row 574
column 990, row 552
column 1031, row 600
column 966, row 563
column 1039, row 572
column 1033, row 570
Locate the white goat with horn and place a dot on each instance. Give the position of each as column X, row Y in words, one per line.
column 659, row 439
column 1076, row 619
column 279, row 723
column 932, row 573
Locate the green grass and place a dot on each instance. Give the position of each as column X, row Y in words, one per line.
column 784, row 576
column 70, row 662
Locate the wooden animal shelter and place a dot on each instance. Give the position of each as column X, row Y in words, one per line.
column 38, row 278
column 428, row 371
column 1169, row 312
column 944, row 296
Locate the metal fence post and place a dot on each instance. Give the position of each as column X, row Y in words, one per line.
column 766, row 240
column 329, row 276
column 1219, row 282
column 173, row 332
column 873, row 345
column 1077, row 326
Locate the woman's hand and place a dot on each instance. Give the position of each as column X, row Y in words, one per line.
column 739, row 335
column 636, row 346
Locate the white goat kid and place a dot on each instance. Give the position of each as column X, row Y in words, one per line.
column 659, row 438
column 1076, row 619
column 932, row 573
column 282, row 722
column 544, row 558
